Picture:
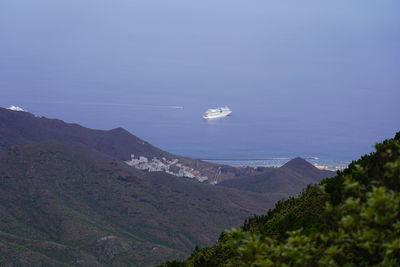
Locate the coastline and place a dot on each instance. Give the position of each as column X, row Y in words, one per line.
column 330, row 165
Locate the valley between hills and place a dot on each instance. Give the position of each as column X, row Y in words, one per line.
column 73, row 196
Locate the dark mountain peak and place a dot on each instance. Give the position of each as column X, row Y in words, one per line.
column 299, row 164
column 119, row 130
column 121, row 133
column 289, row 179
column 21, row 128
column 124, row 134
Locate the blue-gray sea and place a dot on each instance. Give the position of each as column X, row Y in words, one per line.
column 303, row 78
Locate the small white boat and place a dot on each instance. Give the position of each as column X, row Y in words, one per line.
column 214, row 113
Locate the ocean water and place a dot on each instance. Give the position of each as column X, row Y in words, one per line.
column 303, row 78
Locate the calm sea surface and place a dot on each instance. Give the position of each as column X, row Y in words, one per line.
column 303, row 78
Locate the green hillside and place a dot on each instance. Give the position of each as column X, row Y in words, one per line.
column 67, row 197
column 352, row 219
column 60, row 206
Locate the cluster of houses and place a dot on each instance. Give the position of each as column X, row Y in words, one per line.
column 171, row 166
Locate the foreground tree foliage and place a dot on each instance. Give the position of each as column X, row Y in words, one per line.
column 352, row 219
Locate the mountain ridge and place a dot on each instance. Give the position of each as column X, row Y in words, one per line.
column 67, row 199
column 24, row 128
column 68, row 196
column 21, row 128
column 295, row 174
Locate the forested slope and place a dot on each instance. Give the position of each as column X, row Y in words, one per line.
column 352, row 219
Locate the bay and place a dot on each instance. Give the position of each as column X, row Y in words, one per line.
column 303, row 78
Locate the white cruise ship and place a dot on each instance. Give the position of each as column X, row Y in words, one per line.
column 214, row 113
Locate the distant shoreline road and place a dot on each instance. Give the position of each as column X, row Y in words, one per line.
column 276, row 162
column 254, row 159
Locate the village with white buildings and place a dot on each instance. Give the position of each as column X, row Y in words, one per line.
column 171, row 166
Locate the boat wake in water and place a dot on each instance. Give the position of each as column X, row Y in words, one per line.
column 111, row 104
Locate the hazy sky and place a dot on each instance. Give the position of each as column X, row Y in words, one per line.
column 335, row 61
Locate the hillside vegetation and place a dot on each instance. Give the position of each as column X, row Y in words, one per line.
column 68, row 198
column 352, row 219
column 62, row 206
